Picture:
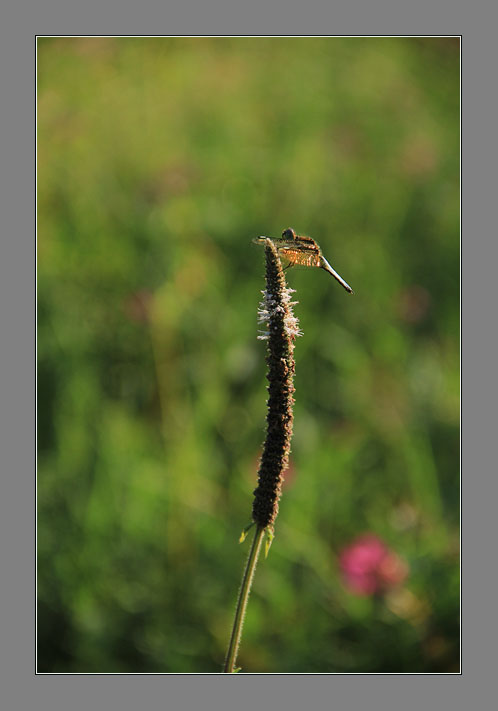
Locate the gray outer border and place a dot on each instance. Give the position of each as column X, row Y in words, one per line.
column 20, row 687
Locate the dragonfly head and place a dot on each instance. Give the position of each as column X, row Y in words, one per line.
column 289, row 234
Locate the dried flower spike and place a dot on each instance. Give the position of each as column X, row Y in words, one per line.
column 282, row 329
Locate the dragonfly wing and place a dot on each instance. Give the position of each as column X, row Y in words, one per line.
column 298, row 257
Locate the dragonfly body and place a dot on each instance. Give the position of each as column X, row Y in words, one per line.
column 298, row 250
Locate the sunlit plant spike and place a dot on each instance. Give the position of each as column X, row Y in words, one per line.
column 283, row 329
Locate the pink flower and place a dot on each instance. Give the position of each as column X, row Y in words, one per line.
column 369, row 567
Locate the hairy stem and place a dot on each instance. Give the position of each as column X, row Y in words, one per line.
column 243, row 597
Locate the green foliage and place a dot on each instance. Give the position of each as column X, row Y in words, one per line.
column 158, row 162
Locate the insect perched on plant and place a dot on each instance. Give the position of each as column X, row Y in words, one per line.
column 297, row 250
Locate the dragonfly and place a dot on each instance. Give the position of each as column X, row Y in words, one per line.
column 298, row 250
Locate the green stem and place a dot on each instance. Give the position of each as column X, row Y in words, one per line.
column 240, row 611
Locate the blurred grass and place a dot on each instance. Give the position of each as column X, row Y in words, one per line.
column 158, row 161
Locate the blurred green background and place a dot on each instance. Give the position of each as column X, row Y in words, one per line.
column 159, row 159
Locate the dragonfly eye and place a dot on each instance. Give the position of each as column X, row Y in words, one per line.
column 288, row 234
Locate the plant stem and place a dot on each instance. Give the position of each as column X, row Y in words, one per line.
column 243, row 597
column 281, row 329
